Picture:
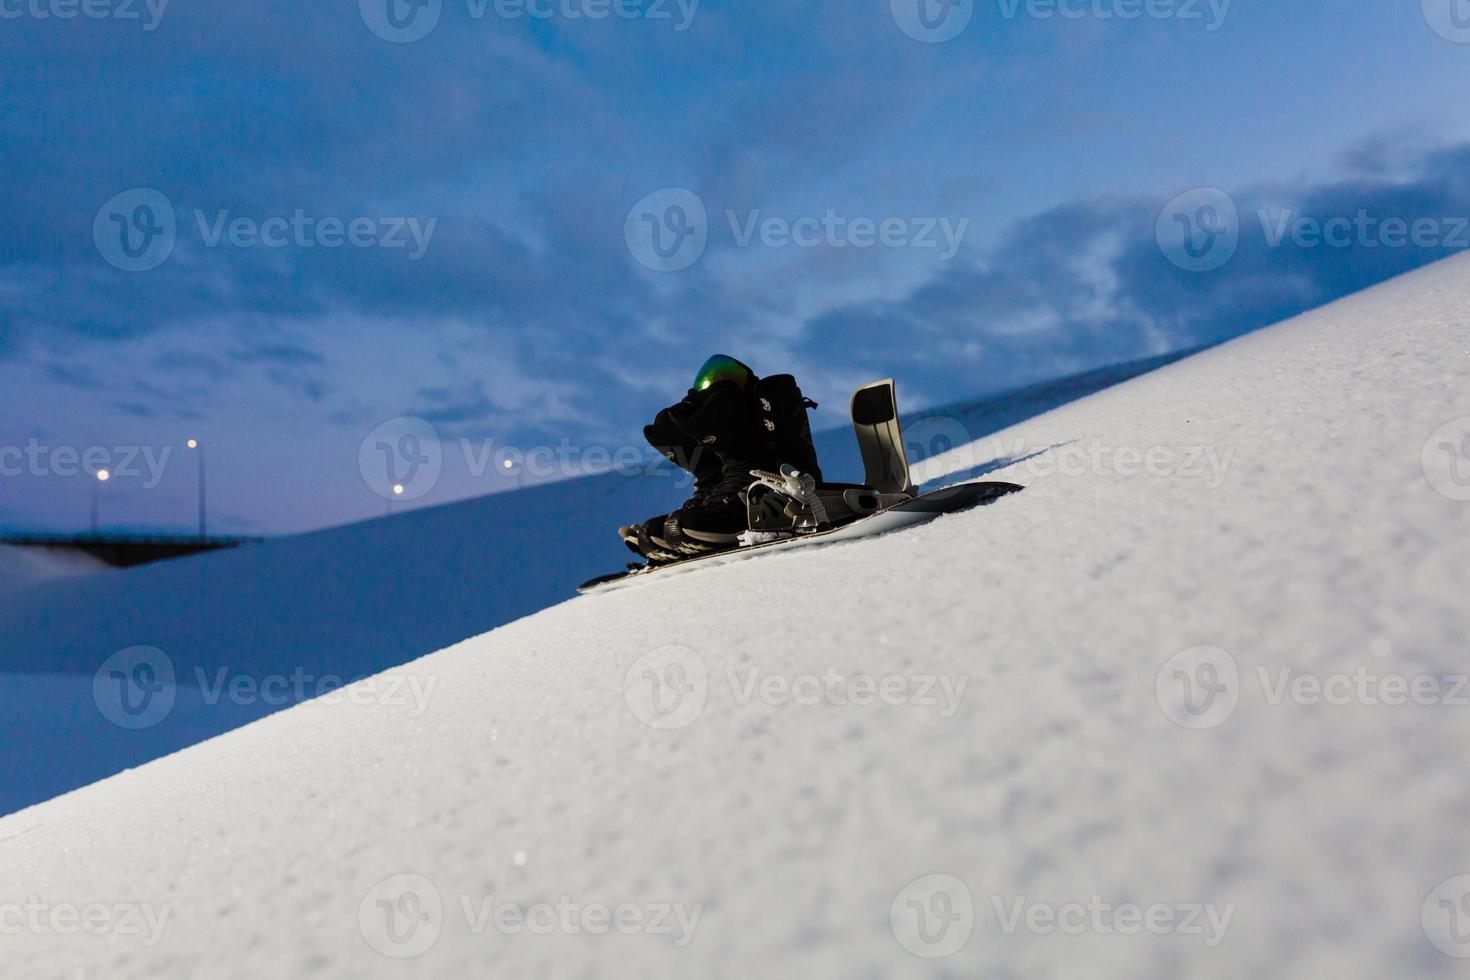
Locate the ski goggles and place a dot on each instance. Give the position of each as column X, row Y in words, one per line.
column 723, row 367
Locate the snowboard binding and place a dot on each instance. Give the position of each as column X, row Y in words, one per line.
column 792, row 502
column 748, row 442
column 796, row 501
column 788, row 505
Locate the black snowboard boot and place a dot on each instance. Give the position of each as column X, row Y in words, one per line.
column 788, row 432
column 721, row 419
column 729, row 424
column 647, row 539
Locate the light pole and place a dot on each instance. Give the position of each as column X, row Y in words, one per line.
column 203, row 527
column 388, row 501
column 102, row 477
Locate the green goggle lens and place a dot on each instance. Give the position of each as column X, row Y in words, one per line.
column 719, row 368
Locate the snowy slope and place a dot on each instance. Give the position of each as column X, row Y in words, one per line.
column 740, row 834
column 24, row 567
column 342, row 603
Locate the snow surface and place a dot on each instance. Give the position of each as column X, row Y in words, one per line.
column 24, row 567
column 347, row 602
column 1324, row 541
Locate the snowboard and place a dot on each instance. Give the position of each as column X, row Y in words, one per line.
column 909, row 513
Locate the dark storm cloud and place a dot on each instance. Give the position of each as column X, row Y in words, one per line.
column 1087, row 284
column 74, row 376
column 190, row 362
column 290, row 355
column 458, row 408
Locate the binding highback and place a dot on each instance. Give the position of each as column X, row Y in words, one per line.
column 880, row 437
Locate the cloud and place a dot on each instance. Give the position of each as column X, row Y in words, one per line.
column 1086, row 284
column 75, row 376
column 289, row 355
column 454, row 408
column 528, row 143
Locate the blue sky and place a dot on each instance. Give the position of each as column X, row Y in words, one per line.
column 492, row 166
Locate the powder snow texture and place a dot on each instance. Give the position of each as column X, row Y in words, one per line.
column 1322, row 548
